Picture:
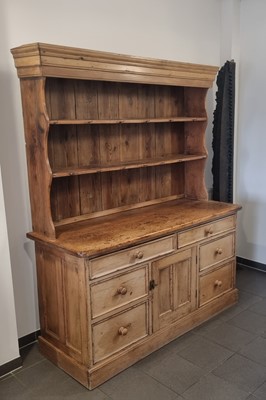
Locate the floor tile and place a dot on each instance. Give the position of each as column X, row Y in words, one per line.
column 260, row 393
column 259, row 307
column 251, row 281
column 256, row 351
column 205, row 354
column 250, row 322
column 213, row 388
column 172, row 370
column 230, row 313
column 245, row 374
column 11, row 389
column 6, row 376
column 207, row 326
column 68, row 390
column 31, row 355
column 246, row 299
column 42, row 376
column 133, row 384
column 229, row 336
column 180, row 343
column 178, row 371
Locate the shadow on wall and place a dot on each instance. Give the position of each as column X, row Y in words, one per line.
column 13, row 164
column 251, row 238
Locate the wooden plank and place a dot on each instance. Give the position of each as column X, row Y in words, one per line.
column 178, row 179
column 108, row 100
column 85, row 217
column 88, row 238
column 124, row 121
column 110, row 149
column 195, row 180
column 147, row 184
column 129, row 187
column 72, row 305
column 65, row 196
column 53, row 60
column 88, row 144
column 90, row 194
column 130, row 144
column 39, row 173
column 86, row 98
column 111, row 195
column 169, row 102
column 60, row 99
column 194, row 101
column 62, row 147
column 163, row 182
column 53, row 297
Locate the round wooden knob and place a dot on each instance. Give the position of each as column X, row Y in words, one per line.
column 209, row 230
column 122, row 331
column 139, row 255
column 218, row 283
column 219, row 251
column 122, row 290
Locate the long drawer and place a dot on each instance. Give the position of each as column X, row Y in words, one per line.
column 216, row 251
column 114, row 262
column 117, row 291
column 206, row 231
column 119, row 331
column 216, row 283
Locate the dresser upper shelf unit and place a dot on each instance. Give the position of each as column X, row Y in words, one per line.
column 106, row 133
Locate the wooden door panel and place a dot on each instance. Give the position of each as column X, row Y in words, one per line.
column 175, row 285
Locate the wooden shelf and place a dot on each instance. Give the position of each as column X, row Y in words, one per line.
column 128, row 165
column 124, row 121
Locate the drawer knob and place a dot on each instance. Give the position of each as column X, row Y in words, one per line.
column 218, row 283
column 209, row 230
column 122, row 331
column 122, row 290
column 139, row 255
column 219, row 250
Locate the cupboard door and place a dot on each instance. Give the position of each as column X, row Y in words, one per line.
column 174, row 281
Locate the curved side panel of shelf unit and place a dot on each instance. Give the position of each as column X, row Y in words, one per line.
column 36, row 126
column 195, row 186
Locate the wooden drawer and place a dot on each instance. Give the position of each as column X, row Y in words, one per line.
column 206, row 231
column 120, row 331
column 114, row 262
column 216, row 283
column 216, row 251
column 115, row 292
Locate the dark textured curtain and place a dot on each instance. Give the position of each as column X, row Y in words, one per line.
column 223, row 134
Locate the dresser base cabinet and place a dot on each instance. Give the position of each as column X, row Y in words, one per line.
column 102, row 314
column 91, row 377
column 130, row 252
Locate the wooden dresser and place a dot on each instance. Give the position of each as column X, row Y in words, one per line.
column 130, row 253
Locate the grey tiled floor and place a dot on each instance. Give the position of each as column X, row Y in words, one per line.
column 224, row 359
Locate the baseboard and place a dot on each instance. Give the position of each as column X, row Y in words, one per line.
column 17, row 362
column 10, row 366
column 251, row 264
column 28, row 339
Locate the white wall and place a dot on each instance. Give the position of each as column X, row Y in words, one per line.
column 184, row 30
column 251, row 159
column 8, row 328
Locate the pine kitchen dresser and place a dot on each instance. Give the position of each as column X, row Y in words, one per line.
column 130, row 252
